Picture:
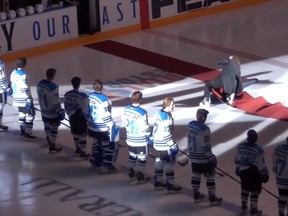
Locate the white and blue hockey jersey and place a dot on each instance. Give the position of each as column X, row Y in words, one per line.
column 248, row 155
column 198, row 138
column 280, row 165
column 3, row 78
column 20, row 88
column 100, row 118
column 48, row 98
column 135, row 120
column 75, row 100
column 162, row 136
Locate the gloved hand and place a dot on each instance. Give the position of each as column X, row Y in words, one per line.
column 174, row 149
column 114, row 133
column 265, row 177
column 237, row 171
column 149, row 140
column 9, row 90
column 61, row 114
column 29, row 103
column 213, row 161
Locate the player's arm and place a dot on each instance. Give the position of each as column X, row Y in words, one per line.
column 85, row 107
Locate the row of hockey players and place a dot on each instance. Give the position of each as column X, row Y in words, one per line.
column 92, row 114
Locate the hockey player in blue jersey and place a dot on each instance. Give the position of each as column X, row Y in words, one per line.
column 100, row 129
column 51, row 110
column 251, row 168
column 76, row 107
column 3, row 93
column 165, row 146
column 22, row 98
column 138, row 136
column 203, row 161
column 280, row 168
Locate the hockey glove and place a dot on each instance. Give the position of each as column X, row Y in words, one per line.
column 265, row 177
column 237, row 171
column 174, row 149
column 213, row 161
column 29, row 103
column 149, row 140
column 114, row 133
column 61, row 114
column 9, row 90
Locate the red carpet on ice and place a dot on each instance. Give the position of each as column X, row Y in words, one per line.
column 255, row 106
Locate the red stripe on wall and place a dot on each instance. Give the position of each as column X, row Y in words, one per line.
column 144, row 14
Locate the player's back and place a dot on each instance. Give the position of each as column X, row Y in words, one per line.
column 248, row 155
column 163, row 122
column 280, row 162
column 75, row 100
column 48, row 98
column 198, row 137
column 20, row 88
column 99, row 112
column 136, row 123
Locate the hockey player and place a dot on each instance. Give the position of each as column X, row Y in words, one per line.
column 202, row 159
column 250, row 166
column 280, row 168
column 76, row 107
column 22, row 98
column 3, row 93
column 165, row 146
column 138, row 136
column 51, row 110
column 100, row 128
column 229, row 79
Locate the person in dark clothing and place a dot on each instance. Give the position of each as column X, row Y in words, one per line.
column 252, row 170
column 229, row 81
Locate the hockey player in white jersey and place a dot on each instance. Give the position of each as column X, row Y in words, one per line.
column 22, row 98
column 3, row 93
column 100, row 129
column 251, row 168
column 51, row 110
column 76, row 107
column 165, row 146
column 138, row 136
column 202, row 159
column 280, row 168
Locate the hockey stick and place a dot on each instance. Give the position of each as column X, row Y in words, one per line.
column 40, row 112
column 184, row 164
column 236, row 180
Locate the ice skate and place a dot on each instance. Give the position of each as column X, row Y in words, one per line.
column 173, row 188
column 54, row 149
column 83, row 154
column 205, row 102
column 158, row 185
column 244, row 210
column 3, row 127
column 141, row 178
column 255, row 212
column 198, row 197
column 107, row 169
column 215, row 200
column 29, row 136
